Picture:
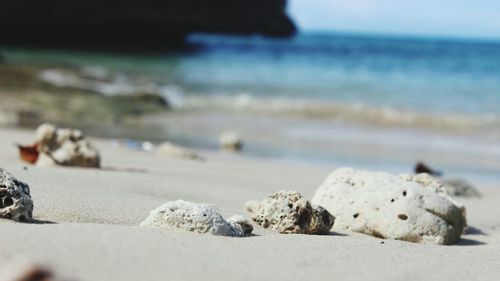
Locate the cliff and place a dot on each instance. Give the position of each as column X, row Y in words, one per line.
column 136, row 22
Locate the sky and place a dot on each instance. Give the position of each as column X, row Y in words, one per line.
column 450, row 18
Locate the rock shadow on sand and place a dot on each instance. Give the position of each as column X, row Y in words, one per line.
column 35, row 221
column 475, row 231
column 469, row 242
column 333, row 233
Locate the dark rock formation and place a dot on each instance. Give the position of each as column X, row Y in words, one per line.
column 136, row 22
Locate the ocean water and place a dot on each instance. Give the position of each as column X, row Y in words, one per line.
column 369, row 101
column 441, row 76
column 434, row 76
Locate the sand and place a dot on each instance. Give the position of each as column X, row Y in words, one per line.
column 87, row 224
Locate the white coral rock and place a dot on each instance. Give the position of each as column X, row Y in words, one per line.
column 173, row 150
column 404, row 207
column 231, row 141
column 201, row 218
column 15, row 198
column 66, row 147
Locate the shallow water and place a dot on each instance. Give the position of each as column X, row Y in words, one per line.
column 330, row 98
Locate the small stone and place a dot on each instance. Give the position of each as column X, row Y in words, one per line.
column 243, row 222
column 173, row 150
column 201, row 218
column 231, row 141
column 65, row 147
column 406, row 207
column 15, row 198
column 289, row 212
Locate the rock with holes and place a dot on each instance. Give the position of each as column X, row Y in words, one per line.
column 66, row 147
column 404, row 207
column 201, row 218
column 289, row 212
column 15, row 198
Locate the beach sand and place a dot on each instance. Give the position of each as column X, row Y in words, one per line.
column 88, row 224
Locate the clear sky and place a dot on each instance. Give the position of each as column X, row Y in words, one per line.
column 451, row 18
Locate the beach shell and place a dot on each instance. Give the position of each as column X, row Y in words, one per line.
column 288, row 212
column 405, row 207
column 15, row 199
column 29, row 153
column 201, row 218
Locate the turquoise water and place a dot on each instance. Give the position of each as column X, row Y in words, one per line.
column 416, row 75
column 421, row 75
column 366, row 101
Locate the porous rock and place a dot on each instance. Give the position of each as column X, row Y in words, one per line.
column 201, row 218
column 66, row 147
column 402, row 207
column 231, row 141
column 288, row 212
column 15, row 198
column 173, row 150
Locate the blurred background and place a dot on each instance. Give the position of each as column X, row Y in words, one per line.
column 376, row 84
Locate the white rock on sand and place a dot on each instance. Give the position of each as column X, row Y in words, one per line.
column 231, row 141
column 289, row 212
column 404, row 207
column 201, row 218
column 173, row 150
column 66, row 147
column 15, row 198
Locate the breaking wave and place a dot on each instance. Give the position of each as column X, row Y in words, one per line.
column 356, row 113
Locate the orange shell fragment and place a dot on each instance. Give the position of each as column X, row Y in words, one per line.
column 29, row 153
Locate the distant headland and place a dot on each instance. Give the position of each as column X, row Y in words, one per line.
column 134, row 23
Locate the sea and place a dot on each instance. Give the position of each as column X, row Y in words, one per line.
column 367, row 101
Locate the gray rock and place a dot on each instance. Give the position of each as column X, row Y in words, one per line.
column 289, row 212
column 405, row 207
column 15, row 198
column 201, row 218
column 457, row 187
